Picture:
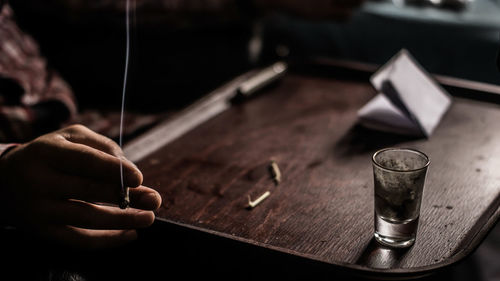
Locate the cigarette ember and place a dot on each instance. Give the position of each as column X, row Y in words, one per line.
column 125, row 199
column 257, row 201
column 275, row 172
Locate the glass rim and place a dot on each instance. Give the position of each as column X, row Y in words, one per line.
column 427, row 160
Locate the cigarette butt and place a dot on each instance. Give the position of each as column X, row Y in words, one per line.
column 275, row 172
column 257, row 201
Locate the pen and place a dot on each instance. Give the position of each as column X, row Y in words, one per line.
column 263, row 78
column 211, row 105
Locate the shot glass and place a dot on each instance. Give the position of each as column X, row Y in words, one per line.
column 399, row 178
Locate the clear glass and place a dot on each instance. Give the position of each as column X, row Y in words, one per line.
column 399, row 178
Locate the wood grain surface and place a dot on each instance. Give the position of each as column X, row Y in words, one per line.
column 323, row 207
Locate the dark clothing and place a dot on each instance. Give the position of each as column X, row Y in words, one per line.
column 33, row 98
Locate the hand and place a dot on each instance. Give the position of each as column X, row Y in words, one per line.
column 52, row 185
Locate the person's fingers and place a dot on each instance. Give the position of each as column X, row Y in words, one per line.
column 83, row 135
column 88, row 239
column 86, row 161
column 59, row 185
column 92, row 216
column 63, row 186
column 54, row 184
column 144, row 198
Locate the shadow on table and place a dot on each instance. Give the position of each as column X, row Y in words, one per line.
column 360, row 140
column 378, row 256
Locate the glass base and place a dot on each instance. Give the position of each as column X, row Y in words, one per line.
column 395, row 234
column 393, row 242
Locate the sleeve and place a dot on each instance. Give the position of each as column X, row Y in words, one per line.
column 33, row 98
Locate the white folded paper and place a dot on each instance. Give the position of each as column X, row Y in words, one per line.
column 409, row 102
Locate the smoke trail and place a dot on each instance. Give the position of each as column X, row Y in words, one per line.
column 124, row 189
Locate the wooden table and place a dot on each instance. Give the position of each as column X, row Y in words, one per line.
column 322, row 210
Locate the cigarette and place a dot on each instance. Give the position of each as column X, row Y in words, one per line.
column 125, row 199
column 124, row 194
